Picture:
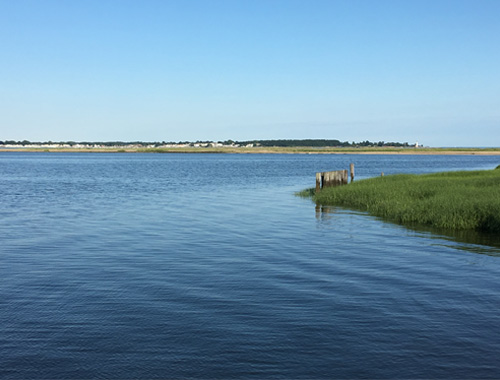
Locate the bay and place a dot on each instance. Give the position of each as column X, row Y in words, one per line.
column 207, row 266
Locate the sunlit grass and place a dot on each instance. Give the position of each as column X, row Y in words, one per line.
column 466, row 200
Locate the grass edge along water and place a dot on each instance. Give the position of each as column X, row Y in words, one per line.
column 460, row 200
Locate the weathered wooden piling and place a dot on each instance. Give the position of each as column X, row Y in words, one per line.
column 318, row 182
column 351, row 167
column 332, row 178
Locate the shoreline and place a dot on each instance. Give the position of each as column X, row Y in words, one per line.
column 276, row 150
column 452, row 200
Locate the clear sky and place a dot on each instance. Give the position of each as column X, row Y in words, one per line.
column 378, row 70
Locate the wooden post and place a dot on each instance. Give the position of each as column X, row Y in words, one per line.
column 332, row 178
column 352, row 172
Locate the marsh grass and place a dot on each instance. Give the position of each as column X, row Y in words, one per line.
column 466, row 200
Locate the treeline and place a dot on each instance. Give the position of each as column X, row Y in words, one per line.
column 109, row 143
column 72, row 143
column 296, row 143
column 321, row 143
column 315, row 143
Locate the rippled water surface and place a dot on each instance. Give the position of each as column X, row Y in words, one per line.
column 208, row 266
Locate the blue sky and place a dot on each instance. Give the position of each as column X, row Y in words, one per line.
column 385, row 70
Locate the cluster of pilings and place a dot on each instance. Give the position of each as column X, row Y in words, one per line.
column 333, row 178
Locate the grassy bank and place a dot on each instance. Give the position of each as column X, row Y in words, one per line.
column 467, row 200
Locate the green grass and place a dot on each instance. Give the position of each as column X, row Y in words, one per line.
column 466, row 200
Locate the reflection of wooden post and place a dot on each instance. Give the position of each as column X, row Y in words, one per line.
column 352, row 172
column 318, row 182
column 318, row 211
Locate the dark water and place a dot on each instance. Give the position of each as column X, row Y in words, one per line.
column 207, row 266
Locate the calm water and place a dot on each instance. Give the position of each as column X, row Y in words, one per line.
column 207, row 266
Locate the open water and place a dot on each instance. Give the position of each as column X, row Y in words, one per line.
column 179, row 266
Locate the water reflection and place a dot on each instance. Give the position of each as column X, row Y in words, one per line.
column 470, row 241
column 107, row 266
column 324, row 213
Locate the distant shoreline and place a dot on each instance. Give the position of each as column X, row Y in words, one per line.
column 273, row 150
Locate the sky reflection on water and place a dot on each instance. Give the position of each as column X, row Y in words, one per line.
column 195, row 266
